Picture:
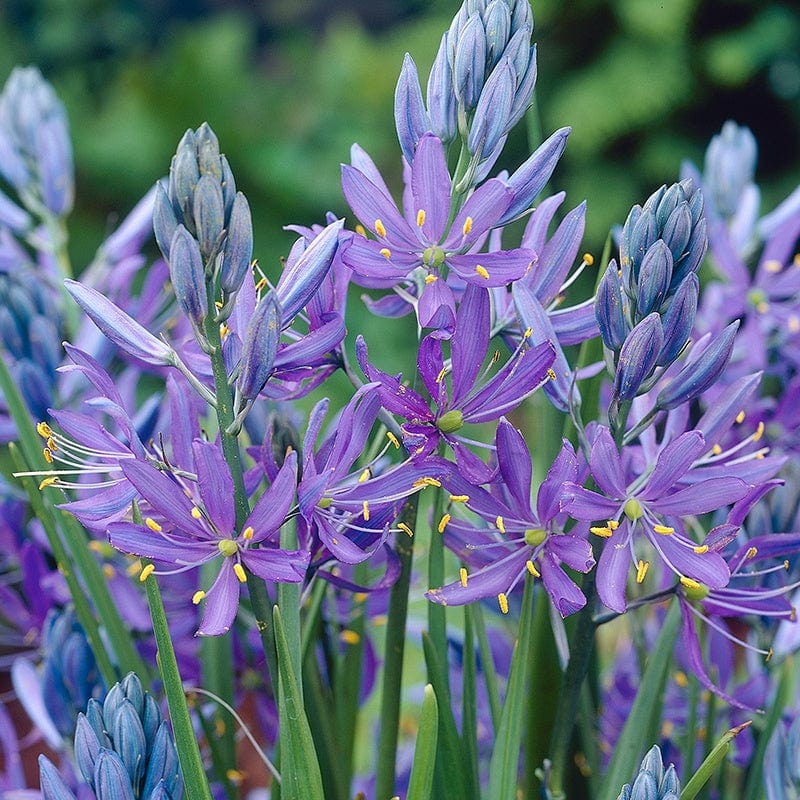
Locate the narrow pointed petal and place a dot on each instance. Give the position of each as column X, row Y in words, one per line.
column 673, row 461
column 563, row 470
column 411, row 119
column 484, row 207
column 703, row 497
column 612, row 570
column 470, row 341
column 500, row 267
column 215, row 484
column 430, row 186
column 565, row 595
column 273, row 506
column 514, row 462
column 272, row 564
column 586, row 505
column 178, row 549
column 221, row 602
column 606, row 465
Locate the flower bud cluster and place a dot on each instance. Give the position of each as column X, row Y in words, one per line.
column 646, row 305
column 481, row 82
column 123, row 748
column 653, row 782
column 203, row 226
column 35, row 148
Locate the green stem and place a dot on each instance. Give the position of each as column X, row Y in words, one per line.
column 569, row 696
column 437, row 614
column 194, row 775
column 393, row 657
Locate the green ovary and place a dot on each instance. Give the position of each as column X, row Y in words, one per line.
column 228, row 547
column 633, row 509
column 450, row 421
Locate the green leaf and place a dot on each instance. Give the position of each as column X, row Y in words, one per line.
column 452, row 761
column 421, row 782
column 632, row 742
column 711, row 762
column 503, row 767
column 300, row 774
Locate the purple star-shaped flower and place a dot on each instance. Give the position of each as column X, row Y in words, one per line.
column 650, row 505
column 187, row 530
column 418, row 247
column 520, row 539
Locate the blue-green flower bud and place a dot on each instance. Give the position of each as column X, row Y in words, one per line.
column 238, row 253
column 129, row 740
column 678, row 320
column 209, row 215
column 490, row 122
column 164, row 220
column 188, row 276
column 260, row 346
column 183, row 177
column 609, row 309
column 469, row 65
column 637, row 357
column 163, row 767
column 441, row 101
column 208, row 152
column 410, row 117
column 730, row 164
column 111, row 777
column 497, row 24
column 678, row 230
column 652, row 782
column 700, row 373
column 87, row 746
column 654, row 278
column 53, row 786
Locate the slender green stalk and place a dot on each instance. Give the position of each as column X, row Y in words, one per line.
column 487, row 662
column 194, row 775
column 437, row 614
column 393, row 656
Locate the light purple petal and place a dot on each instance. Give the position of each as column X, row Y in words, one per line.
column 178, row 549
column 702, row 497
column 514, row 462
column 566, row 596
column 502, row 267
column 673, row 461
column 273, row 564
column 606, row 465
column 430, row 186
column 612, row 570
column 563, row 470
column 587, row 505
column 471, row 340
column 273, row 506
column 221, row 602
column 484, row 207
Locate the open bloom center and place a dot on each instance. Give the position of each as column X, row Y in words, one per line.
column 450, row 421
column 228, row 547
column 433, row 256
column 535, row 536
column 633, row 509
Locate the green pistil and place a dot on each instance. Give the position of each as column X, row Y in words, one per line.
column 325, row 502
column 535, row 536
column 433, row 257
column 695, row 593
column 227, row 547
column 756, row 297
column 450, row 421
column 633, row 509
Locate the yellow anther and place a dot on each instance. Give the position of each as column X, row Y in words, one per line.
column 443, row 523
column 700, row 549
column 773, row 266
column 361, row 597
column 503, row 601
column 442, row 373
column 365, row 510
column 531, row 567
column 385, row 252
column 613, row 524
column 219, row 726
column 247, row 533
column 641, row 570
column 690, row 583
column 44, row 430
column 588, row 259
column 759, row 432
column 680, row 678
column 796, row 260
column 599, row 530
column 361, row 230
column 134, row 568
column 551, row 373
column 786, row 565
column 349, row 637
column 527, row 333
column 793, row 615
column 406, row 530
column 482, row 271
column 420, row 218
column 664, row 530
column 459, row 498
column 426, row 481
column 667, row 729
column 740, row 417
column 379, row 228
column 224, row 330
column 393, row 439
column 716, row 449
column 196, row 512
column 108, row 571
column 769, row 655
column 429, row 279
column 238, row 570
column 462, row 575
column 262, row 282
column 235, row 775
column 146, row 572
column 364, row 476
column 51, row 444
column 752, row 552
column 467, row 228
column 48, row 482
column 500, row 524
column 48, row 456
column 793, row 323
column 762, row 307
column 153, row 525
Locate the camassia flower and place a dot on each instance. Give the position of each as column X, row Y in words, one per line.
column 191, row 524
column 416, row 249
column 650, row 506
column 520, row 539
column 473, row 398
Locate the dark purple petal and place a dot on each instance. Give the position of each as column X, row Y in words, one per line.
column 586, row 505
column 470, row 340
column 709, row 568
column 371, row 267
column 437, row 309
column 574, row 551
column 484, row 207
column 514, row 462
column 270, row 512
column 215, row 485
column 566, row 596
column 563, row 470
column 221, row 602
column 430, row 365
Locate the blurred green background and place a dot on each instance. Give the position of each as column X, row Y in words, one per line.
column 288, row 86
